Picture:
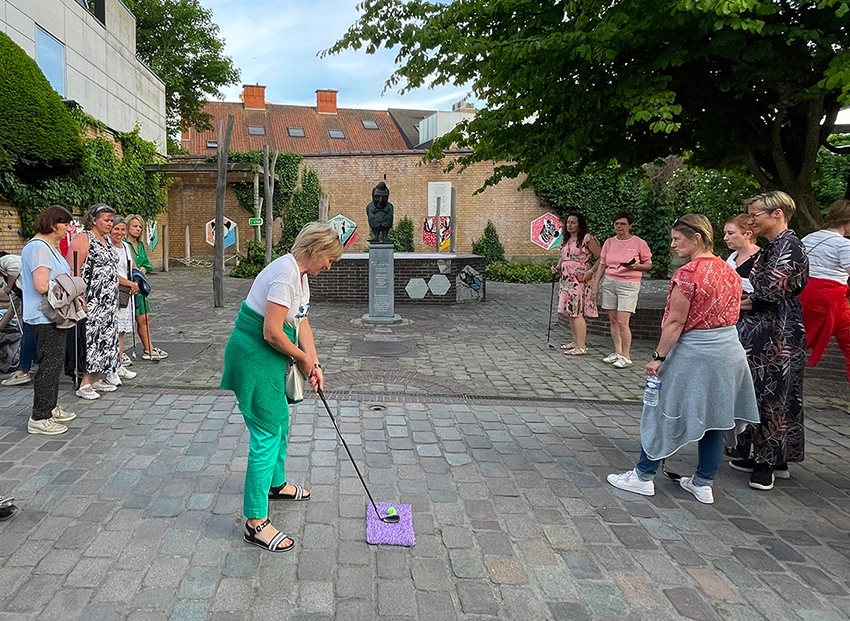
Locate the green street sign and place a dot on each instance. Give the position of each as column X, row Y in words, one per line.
column 255, row 222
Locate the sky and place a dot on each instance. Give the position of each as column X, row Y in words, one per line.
column 274, row 43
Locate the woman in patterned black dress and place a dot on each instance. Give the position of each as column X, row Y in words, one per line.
column 774, row 338
column 98, row 266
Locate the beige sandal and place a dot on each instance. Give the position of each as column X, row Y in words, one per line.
column 568, row 346
column 576, row 351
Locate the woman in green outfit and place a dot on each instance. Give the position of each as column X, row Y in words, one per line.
column 135, row 226
column 271, row 330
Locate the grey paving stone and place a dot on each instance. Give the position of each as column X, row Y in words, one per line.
column 689, row 604
column 568, row 611
column 396, row 598
column 189, row 611
column 756, row 559
column 780, row 550
column 435, row 606
column 477, row 597
column 199, row 583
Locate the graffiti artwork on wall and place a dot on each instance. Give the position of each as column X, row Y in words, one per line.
column 153, row 233
column 429, row 233
column 546, row 231
column 469, row 285
column 345, row 228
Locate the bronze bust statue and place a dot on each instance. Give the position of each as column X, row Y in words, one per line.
column 380, row 214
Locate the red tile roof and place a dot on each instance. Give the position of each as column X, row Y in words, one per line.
column 277, row 119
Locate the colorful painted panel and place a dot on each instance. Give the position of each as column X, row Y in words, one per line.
column 546, row 231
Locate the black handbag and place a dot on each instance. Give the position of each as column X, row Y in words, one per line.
column 124, row 296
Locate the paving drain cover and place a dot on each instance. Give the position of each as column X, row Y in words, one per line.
column 360, row 348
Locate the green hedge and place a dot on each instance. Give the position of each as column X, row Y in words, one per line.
column 38, row 137
column 503, row 271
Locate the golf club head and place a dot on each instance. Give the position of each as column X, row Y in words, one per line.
column 550, row 345
column 390, row 519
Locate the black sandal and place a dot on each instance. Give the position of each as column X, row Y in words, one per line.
column 272, row 546
column 275, row 493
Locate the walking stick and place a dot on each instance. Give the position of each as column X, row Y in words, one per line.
column 77, row 380
column 551, row 301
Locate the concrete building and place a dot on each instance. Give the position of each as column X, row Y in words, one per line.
column 89, row 56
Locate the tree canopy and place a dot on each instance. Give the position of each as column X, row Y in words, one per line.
column 180, row 42
column 38, row 136
column 753, row 84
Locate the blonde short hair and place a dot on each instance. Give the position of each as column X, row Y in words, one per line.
column 692, row 223
column 317, row 239
column 771, row 201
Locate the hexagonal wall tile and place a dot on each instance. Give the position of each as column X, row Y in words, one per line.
column 439, row 284
column 416, row 288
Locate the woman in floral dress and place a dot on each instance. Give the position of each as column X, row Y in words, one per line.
column 575, row 298
column 98, row 266
column 774, row 337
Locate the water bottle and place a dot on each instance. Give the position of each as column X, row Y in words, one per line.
column 650, row 395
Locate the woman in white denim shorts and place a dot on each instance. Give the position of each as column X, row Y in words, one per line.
column 624, row 258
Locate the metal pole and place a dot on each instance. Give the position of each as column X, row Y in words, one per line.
column 187, row 245
column 267, row 191
column 437, row 228
column 221, row 186
column 453, row 223
column 165, row 252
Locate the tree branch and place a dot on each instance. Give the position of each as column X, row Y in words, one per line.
column 812, row 142
column 845, row 150
column 777, row 153
column 759, row 173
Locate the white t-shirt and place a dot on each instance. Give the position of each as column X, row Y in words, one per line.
column 125, row 259
column 280, row 282
column 10, row 266
column 745, row 282
column 829, row 255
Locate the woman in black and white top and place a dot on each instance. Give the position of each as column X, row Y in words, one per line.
column 125, row 277
column 826, row 311
column 739, row 238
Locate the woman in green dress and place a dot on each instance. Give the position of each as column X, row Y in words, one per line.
column 135, row 226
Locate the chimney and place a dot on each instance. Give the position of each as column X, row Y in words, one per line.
column 326, row 102
column 254, row 97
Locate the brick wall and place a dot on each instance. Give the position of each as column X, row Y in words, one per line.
column 348, row 181
column 191, row 202
column 10, row 229
column 348, row 280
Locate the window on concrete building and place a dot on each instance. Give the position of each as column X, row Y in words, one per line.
column 50, row 56
column 295, row 132
column 212, row 144
column 336, row 133
column 370, row 125
column 256, row 130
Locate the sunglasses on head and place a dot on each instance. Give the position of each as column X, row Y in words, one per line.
column 690, row 226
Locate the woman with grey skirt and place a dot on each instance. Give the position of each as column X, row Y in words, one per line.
column 705, row 383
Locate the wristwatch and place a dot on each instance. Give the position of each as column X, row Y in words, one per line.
column 658, row 357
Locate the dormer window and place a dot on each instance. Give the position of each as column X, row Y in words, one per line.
column 212, row 144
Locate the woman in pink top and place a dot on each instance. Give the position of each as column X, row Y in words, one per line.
column 624, row 258
column 575, row 266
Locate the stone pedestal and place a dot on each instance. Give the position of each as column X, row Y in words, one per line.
column 381, row 285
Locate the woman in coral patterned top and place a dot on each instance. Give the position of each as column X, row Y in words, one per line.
column 705, row 383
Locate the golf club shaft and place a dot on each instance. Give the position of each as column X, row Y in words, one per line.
column 347, row 450
column 551, row 301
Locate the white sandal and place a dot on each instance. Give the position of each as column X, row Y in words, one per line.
column 576, row 351
column 569, row 345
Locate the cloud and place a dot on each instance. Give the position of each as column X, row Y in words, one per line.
column 276, row 44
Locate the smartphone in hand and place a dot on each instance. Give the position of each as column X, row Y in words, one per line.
column 629, row 264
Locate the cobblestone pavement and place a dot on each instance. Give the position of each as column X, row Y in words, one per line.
column 501, row 447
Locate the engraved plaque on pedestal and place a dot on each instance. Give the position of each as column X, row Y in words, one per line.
column 381, row 285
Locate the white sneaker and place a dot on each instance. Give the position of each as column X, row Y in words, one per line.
column 611, row 358
column 17, row 378
column 46, row 427
column 622, row 362
column 87, row 392
column 102, row 386
column 703, row 493
column 113, row 379
column 125, row 373
column 630, row 482
column 61, row 416
column 126, row 361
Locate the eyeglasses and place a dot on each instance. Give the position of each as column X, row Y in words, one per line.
column 621, row 224
column 753, row 216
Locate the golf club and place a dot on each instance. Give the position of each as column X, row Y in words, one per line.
column 78, row 380
column 155, row 360
column 551, row 302
column 387, row 519
column 669, row 473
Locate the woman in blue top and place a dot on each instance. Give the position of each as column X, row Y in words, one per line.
column 41, row 263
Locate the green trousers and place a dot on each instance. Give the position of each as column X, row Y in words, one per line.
column 266, row 467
